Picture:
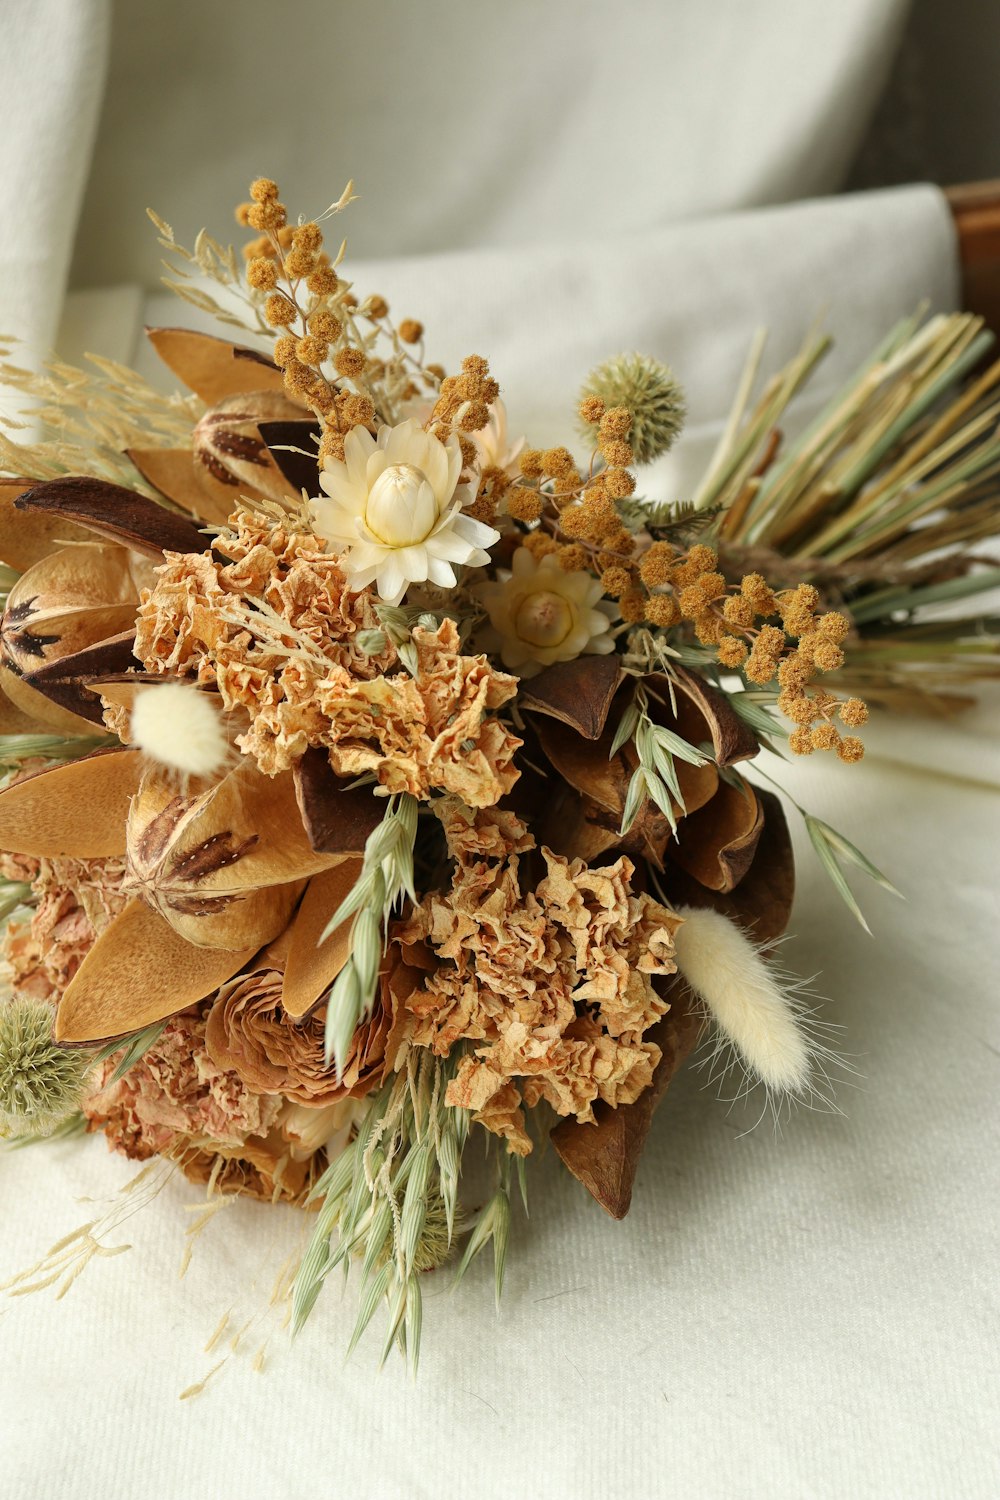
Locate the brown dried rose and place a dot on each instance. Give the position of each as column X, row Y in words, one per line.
column 250, row 1032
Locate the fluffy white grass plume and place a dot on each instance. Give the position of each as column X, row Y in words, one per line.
column 180, row 727
column 744, row 996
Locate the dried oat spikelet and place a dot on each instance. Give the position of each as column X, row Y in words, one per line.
column 649, row 392
column 40, row 1082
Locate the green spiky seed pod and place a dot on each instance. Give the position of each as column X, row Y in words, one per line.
column 649, row 392
column 40, row 1082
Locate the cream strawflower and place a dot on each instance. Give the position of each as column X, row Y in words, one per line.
column 493, row 444
column 540, row 614
column 394, row 510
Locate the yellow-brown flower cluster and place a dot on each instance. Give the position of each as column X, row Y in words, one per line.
column 551, row 982
column 325, row 344
column 739, row 623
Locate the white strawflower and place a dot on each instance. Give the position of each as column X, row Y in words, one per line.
column 394, row 510
column 540, row 614
column 494, row 445
column 181, row 728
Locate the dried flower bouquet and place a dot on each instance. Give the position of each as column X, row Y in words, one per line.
column 374, row 780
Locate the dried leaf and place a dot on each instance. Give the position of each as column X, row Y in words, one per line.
column 337, row 818
column 77, row 810
column 172, row 471
column 114, row 512
column 214, row 368
column 66, row 681
column 717, row 843
column 36, row 709
column 762, row 901
column 714, row 717
column 25, row 536
column 139, row 971
column 312, row 966
column 284, row 441
column 578, row 693
column 605, row 1156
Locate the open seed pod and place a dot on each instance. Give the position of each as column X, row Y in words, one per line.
column 70, row 615
column 228, row 458
column 73, row 599
column 719, row 821
column 226, row 865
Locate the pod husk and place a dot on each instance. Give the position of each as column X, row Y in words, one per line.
column 28, row 536
column 312, row 966
column 78, row 810
column 139, row 971
column 223, row 865
column 212, row 367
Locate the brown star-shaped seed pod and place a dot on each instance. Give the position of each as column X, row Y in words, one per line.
column 216, row 873
column 247, row 409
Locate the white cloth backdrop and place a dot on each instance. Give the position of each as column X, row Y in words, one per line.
column 807, row 1314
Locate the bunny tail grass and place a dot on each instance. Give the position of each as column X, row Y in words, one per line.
column 744, row 997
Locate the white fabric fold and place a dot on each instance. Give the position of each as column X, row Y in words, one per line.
column 52, row 74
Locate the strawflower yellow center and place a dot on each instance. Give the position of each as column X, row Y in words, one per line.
column 544, row 619
column 401, row 509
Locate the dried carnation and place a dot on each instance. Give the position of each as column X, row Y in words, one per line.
column 204, row 614
column 552, row 985
column 75, row 900
column 435, row 730
column 176, row 1099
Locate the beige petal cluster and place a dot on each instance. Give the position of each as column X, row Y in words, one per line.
column 75, row 899
column 551, row 983
column 435, row 730
column 269, row 597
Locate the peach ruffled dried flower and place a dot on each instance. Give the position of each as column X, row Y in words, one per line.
column 552, row 985
column 436, row 730
column 75, row 900
column 176, row 1101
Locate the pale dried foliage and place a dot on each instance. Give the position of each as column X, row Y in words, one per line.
column 81, row 421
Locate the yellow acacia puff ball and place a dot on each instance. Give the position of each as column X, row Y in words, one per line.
column 648, row 390
column 179, row 727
